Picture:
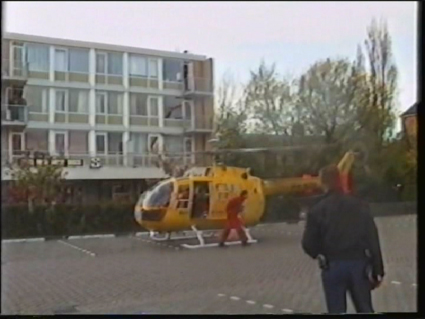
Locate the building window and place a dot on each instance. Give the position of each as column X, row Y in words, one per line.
column 37, row 99
column 101, row 143
column 78, row 101
column 61, row 143
column 109, row 103
column 172, row 108
column 141, row 66
column 78, row 142
column 173, row 144
column 153, row 143
column 172, row 70
column 115, row 64
column 153, row 106
column 38, row 57
column 115, row 143
column 78, row 60
column 138, row 104
column 109, row 63
column 60, row 101
column 187, row 110
column 109, row 143
column 101, row 103
column 115, row 103
column 17, row 143
column 139, row 142
column 188, row 145
column 138, row 66
column 61, row 64
column 101, row 63
column 153, row 68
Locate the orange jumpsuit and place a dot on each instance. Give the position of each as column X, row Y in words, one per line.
column 234, row 207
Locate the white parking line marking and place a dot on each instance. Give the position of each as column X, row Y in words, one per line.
column 251, row 302
column 287, row 310
column 414, row 285
column 268, row 306
column 92, row 236
column 221, row 295
column 235, row 298
column 396, row 282
column 77, row 248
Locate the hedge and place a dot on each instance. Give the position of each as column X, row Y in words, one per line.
column 67, row 220
column 70, row 220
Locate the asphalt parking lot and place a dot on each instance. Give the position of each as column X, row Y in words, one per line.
column 133, row 275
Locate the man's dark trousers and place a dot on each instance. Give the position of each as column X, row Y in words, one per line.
column 347, row 276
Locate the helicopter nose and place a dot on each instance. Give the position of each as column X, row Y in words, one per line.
column 152, row 215
column 138, row 214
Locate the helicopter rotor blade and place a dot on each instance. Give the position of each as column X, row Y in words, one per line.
column 255, row 150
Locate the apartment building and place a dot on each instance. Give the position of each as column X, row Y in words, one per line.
column 108, row 110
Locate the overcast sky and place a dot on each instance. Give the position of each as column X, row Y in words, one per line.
column 236, row 34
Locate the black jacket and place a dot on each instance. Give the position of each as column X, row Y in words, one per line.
column 340, row 227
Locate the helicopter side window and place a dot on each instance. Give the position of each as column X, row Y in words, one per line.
column 222, row 191
column 183, row 197
column 201, row 200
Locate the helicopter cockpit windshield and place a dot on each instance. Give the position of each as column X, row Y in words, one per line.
column 159, row 196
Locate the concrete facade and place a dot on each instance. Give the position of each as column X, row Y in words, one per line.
column 86, row 100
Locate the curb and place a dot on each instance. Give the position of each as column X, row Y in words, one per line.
column 41, row 239
column 23, row 240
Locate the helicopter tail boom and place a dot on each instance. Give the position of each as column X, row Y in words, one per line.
column 310, row 185
column 295, row 185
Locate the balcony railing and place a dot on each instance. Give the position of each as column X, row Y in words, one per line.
column 173, row 85
column 14, row 106
column 17, row 114
column 198, row 85
column 170, row 122
column 14, row 68
column 204, row 124
column 71, row 76
column 131, row 160
column 144, row 82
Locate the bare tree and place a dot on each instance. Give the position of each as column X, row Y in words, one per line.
column 326, row 98
column 379, row 90
column 270, row 100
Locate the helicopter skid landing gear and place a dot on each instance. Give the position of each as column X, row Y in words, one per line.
column 154, row 236
column 202, row 243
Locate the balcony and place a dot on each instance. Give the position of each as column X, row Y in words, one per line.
column 144, row 82
column 14, row 72
column 173, row 85
column 201, row 125
column 14, row 115
column 74, row 76
column 180, row 123
column 14, row 110
column 195, row 86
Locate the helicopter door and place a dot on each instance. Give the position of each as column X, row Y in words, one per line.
column 183, row 203
column 201, row 200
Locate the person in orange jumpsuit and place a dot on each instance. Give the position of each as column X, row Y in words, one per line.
column 234, row 208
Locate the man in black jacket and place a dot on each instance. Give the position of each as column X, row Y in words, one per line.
column 341, row 233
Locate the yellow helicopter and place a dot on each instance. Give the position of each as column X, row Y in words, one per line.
column 197, row 200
